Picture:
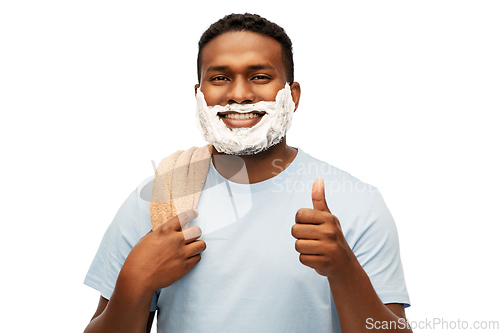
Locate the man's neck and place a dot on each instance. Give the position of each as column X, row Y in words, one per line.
column 250, row 169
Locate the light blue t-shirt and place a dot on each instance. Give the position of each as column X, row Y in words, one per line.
column 249, row 278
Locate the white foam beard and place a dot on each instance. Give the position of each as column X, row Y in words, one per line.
column 269, row 131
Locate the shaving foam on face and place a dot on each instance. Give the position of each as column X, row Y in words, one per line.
column 269, row 131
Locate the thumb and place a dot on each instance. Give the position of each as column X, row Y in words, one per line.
column 318, row 196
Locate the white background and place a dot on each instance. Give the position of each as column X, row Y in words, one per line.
column 403, row 95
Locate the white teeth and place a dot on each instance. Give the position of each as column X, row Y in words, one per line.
column 241, row 115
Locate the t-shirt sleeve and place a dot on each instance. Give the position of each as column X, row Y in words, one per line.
column 377, row 250
column 128, row 226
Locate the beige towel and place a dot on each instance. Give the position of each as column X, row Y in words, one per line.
column 178, row 182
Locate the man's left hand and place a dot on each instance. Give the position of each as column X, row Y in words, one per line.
column 320, row 240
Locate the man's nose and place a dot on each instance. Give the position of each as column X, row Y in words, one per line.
column 239, row 91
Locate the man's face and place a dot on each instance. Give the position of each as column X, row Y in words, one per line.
column 244, row 68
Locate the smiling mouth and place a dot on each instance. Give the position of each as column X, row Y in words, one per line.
column 235, row 119
column 237, row 115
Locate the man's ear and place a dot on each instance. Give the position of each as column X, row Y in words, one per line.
column 196, row 86
column 295, row 89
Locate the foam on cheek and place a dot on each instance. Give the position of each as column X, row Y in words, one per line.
column 269, row 131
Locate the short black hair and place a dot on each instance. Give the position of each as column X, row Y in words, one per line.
column 254, row 23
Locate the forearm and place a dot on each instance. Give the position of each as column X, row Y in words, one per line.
column 356, row 302
column 127, row 310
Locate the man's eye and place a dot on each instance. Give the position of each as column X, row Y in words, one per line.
column 261, row 77
column 219, row 78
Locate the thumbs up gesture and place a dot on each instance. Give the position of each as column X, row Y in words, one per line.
column 320, row 240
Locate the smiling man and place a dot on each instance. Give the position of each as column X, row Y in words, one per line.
column 273, row 257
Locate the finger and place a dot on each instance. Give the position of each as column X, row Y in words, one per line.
column 306, row 231
column 179, row 221
column 186, row 217
column 304, row 246
column 192, row 261
column 318, row 196
column 312, row 216
column 312, row 260
column 195, row 248
column 192, row 233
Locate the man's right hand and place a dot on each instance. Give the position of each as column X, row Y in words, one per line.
column 165, row 255
column 159, row 259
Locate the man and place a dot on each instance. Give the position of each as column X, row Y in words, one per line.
column 244, row 274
